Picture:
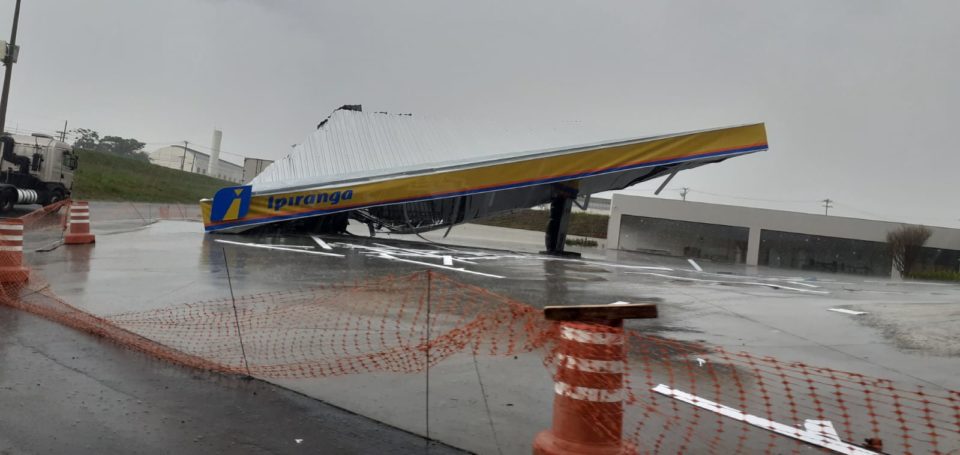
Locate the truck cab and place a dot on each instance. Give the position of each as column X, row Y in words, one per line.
column 36, row 169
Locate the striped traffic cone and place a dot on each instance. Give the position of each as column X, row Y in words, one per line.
column 588, row 400
column 12, row 270
column 78, row 224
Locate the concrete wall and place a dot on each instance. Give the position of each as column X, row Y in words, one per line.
column 683, row 238
column 757, row 220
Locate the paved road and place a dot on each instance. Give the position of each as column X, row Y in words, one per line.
column 19, row 211
column 62, row 391
column 163, row 265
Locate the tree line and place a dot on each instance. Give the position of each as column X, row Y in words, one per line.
column 88, row 139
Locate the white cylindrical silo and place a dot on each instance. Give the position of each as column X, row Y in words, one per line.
column 215, row 154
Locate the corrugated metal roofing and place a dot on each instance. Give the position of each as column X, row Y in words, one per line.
column 410, row 164
column 361, row 145
column 353, row 145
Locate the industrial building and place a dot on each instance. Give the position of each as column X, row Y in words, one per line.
column 190, row 160
column 184, row 158
column 775, row 238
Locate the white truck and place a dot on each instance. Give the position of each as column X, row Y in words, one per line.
column 35, row 169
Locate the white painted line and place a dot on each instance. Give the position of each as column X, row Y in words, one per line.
column 424, row 253
column 464, row 261
column 695, row 265
column 381, row 249
column 824, row 427
column 478, row 258
column 274, row 245
column 10, row 227
column 803, row 284
column 846, row 311
column 11, row 248
column 433, row 254
column 268, row 247
column 388, row 256
column 590, row 365
column 302, row 247
column 747, row 283
column 818, row 438
column 321, row 242
column 11, row 238
column 588, row 394
column 590, row 337
column 79, row 221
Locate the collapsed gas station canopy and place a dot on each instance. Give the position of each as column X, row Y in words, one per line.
column 358, row 161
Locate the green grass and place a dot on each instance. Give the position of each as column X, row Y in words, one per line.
column 937, row 275
column 579, row 241
column 106, row 177
column 581, row 224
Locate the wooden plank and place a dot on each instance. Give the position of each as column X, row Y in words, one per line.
column 639, row 309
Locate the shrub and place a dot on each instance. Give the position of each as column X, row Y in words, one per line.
column 905, row 246
column 579, row 241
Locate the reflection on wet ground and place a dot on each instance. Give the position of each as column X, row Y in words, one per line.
column 766, row 312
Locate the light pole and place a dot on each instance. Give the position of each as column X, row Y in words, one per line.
column 8, row 61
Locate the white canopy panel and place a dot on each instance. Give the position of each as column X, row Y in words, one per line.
column 353, row 145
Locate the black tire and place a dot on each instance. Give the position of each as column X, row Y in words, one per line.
column 7, row 200
column 55, row 196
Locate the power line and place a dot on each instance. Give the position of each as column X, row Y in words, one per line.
column 745, row 198
column 827, row 205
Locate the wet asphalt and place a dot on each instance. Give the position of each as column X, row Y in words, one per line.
column 62, row 391
column 137, row 267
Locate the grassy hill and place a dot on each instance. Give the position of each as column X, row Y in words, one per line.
column 106, row 177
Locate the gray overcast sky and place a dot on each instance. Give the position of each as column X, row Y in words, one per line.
column 860, row 97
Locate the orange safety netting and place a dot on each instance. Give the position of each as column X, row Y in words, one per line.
column 672, row 390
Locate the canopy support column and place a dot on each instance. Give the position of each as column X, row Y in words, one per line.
column 556, row 234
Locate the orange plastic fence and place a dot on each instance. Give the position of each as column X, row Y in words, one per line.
column 677, row 397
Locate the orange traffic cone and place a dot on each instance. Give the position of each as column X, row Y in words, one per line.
column 11, row 252
column 588, row 404
column 78, row 224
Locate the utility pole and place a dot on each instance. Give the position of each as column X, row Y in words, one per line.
column 63, row 134
column 683, row 193
column 827, row 205
column 184, row 159
column 8, row 60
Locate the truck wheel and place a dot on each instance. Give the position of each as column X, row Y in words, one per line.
column 55, row 197
column 7, row 201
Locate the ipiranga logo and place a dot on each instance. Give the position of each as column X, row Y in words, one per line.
column 313, row 199
column 231, row 203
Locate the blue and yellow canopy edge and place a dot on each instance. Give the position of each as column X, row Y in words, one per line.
column 236, row 207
